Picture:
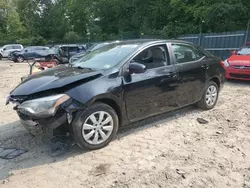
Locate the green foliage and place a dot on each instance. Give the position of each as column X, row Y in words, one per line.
column 36, row 22
column 71, row 37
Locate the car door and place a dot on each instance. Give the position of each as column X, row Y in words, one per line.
column 151, row 92
column 38, row 52
column 29, row 53
column 191, row 67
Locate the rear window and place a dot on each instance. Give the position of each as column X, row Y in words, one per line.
column 17, row 47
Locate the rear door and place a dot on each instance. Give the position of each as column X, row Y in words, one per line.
column 191, row 66
column 38, row 52
column 151, row 92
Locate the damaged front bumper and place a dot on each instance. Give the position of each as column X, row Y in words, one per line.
column 33, row 113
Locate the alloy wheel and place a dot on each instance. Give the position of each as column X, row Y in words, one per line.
column 98, row 127
column 211, row 95
column 20, row 59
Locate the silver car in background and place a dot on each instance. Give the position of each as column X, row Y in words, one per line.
column 9, row 48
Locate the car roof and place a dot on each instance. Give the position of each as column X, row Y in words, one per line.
column 13, row 45
column 37, row 46
column 69, row 45
column 143, row 42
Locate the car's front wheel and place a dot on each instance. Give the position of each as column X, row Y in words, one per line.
column 95, row 127
column 20, row 59
column 209, row 97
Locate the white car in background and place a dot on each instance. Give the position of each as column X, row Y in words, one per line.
column 7, row 49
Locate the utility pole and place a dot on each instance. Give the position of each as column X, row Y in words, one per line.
column 247, row 32
column 175, row 34
column 201, row 27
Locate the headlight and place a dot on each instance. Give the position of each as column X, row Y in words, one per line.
column 46, row 106
column 226, row 64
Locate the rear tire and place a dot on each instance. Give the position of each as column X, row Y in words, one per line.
column 95, row 127
column 209, row 96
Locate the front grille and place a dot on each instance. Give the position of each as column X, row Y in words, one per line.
column 239, row 75
column 241, row 67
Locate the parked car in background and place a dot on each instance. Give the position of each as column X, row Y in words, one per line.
column 116, row 85
column 29, row 53
column 7, row 49
column 60, row 53
column 238, row 64
column 65, row 52
column 68, row 50
column 92, row 48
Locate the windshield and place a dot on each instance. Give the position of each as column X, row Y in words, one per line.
column 106, row 57
column 245, row 50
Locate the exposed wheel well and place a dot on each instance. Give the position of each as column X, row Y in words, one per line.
column 216, row 80
column 114, row 105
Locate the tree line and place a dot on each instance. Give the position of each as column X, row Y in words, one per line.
column 38, row 22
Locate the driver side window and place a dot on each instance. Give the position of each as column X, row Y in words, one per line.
column 153, row 57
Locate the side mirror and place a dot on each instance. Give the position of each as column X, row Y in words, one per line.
column 25, row 50
column 234, row 52
column 4, row 49
column 136, row 68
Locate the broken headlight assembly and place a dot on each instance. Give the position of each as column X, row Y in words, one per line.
column 43, row 107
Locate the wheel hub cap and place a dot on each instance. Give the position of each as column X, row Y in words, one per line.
column 97, row 128
column 211, row 95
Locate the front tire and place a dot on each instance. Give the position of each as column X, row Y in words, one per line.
column 209, row 97
column 95, row 127
column 1, row 57
column 20, row 59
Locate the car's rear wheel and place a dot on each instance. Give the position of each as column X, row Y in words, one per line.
column 209, row 97
column 20, row 59
column 95, row 127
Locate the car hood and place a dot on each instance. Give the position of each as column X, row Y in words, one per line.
column 54, row 78
column 239, row 60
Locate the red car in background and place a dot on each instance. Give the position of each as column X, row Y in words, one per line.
column 238, row 65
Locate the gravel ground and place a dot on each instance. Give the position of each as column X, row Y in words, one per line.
column 171, row 150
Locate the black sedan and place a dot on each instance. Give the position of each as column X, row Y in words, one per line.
column 118, row 84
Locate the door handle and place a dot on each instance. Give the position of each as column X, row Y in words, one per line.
column 205, row 66
column 173, row 74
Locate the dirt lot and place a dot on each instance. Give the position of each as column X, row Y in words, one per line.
column 171, row 150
